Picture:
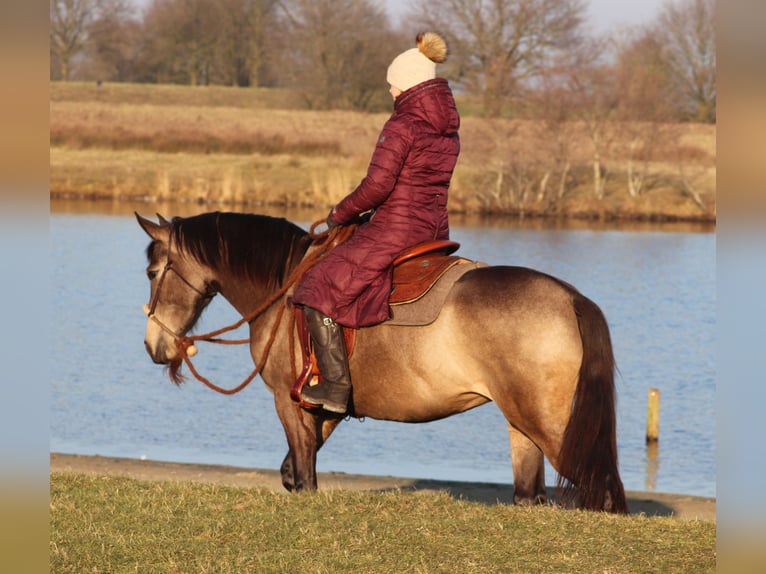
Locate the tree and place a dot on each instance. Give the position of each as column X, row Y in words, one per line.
column 642, row 75
column 498, row 45
column 592, row 91
column 69, row 21
column 645, row 103
column 686, row 29
column 335, row 52
column 208, row 41
column 556, row 131
column 242, row 49
column 180, row 40
column 114, row 40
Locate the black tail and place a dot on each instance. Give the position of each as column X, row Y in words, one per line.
column 588, row 457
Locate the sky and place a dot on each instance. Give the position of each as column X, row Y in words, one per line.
column 605, row 15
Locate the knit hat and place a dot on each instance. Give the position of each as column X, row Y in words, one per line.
column 417, row 65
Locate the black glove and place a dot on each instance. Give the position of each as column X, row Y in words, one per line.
column 330, row 223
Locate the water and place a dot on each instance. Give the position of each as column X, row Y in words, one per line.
column 657, row 289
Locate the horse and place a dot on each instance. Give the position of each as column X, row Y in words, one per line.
column 527, row 341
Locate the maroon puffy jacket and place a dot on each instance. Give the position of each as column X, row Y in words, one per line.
column 406, row 184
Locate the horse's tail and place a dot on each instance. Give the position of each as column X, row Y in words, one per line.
column 588, row 457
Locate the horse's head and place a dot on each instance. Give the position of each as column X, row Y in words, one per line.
column 180, row 289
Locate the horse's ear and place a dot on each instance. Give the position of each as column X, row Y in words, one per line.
column 162, row 220
column 152, row 229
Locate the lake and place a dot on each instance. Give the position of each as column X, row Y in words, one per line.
column 655, row 284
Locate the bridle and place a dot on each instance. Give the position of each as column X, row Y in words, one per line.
column 149, row 309
column 185, row 344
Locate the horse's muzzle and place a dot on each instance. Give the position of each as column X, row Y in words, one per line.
column 158, row 355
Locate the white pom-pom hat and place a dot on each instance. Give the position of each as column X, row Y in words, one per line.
column 417, row 65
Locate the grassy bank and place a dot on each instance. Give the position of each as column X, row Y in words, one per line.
column 239, row 147
column 102, row 524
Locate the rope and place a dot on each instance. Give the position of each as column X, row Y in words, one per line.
column 328, row 240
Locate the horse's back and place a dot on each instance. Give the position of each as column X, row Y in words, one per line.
column 496, row 294
column 501, row 329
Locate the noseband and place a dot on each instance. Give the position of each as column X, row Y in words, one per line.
column 149, row 310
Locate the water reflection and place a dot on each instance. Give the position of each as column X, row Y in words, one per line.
column 652, row 465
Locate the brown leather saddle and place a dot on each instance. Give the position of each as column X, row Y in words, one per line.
column 415, row 272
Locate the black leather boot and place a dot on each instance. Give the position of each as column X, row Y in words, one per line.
column 334, row 388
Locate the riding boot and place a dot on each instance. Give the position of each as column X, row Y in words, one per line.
column 332, row 391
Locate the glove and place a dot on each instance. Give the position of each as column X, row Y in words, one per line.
column 330, row 223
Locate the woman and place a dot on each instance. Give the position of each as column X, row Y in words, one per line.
column 406, row 190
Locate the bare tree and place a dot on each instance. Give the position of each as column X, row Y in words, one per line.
column 114, row 40
column 242, row 48
column 645, row 103
column 642, row 76
column 556, row 131
column 686, row 29
column 498, row 150
column 69, row 20
column 499, row 44
column 593, row 89
column 335, row 52
column 181, row 38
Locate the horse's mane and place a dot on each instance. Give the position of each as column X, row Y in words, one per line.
column 258, row 248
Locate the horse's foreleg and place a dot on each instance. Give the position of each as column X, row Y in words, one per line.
column 302, row 430
column 528, row 470
column 287, row 471
column 306, row 433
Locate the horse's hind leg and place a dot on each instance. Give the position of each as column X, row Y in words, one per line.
column 528, row 470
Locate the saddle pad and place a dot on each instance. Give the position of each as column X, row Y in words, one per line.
column 425, row 309
column 414, row 278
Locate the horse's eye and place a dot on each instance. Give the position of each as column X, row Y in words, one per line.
column 151, row 275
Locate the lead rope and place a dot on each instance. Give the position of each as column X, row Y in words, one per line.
column 332, row 238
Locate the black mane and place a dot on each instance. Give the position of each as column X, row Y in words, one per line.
column 259, row 248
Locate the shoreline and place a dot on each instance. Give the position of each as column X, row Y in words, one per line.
column 682, row 506
column 587, row 216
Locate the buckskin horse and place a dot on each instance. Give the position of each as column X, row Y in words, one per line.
column 525, row 340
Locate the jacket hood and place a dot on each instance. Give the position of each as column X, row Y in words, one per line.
column 433, row 102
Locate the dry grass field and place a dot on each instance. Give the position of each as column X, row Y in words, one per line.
column 238, row 147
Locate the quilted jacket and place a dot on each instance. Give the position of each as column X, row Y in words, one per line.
column 406, row 185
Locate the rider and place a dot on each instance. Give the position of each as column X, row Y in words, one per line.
column 405, row 189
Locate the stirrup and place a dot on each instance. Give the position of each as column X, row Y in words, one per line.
column 335, row 404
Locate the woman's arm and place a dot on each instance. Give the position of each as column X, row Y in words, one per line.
column 387, row 161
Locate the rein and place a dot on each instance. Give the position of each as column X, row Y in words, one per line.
column 185, row 344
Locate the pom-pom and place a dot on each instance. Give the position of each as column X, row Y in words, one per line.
column 432, row 46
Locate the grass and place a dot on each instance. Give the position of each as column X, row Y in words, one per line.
column 215, row 179
column 101, row 524
column 170, row 129
column 258, row 147
column 172, row 95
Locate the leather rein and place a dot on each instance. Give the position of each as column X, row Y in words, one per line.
column 185, row 343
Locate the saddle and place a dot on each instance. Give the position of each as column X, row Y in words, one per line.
column 416, row 271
